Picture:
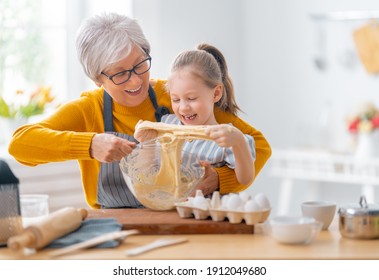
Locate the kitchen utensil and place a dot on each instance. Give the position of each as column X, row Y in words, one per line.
column 320, row 58
column 154, row 245
column 322, row 211
column 294, row 230
column 359, row 221
column 140, row 170
column 10, row 216
column 93, row 242
column 55, row 225
column 366, row 40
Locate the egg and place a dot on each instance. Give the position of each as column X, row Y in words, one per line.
column 251, row 206
column 200, row 202
column 262, row 201
column 244, row 196
column 234, row 202
column 224, row 201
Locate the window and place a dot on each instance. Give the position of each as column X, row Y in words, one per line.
column 37, row 44
column 32, row 49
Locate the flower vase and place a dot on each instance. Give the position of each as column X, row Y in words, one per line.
column 367, row 145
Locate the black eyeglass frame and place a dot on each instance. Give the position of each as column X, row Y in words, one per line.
column 130, row 71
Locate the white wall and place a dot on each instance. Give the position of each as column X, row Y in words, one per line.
column 77, row 12
column 270, row 46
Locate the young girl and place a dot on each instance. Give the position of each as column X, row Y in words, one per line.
column 198, row 81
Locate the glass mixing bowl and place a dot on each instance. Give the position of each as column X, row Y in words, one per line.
column 155, row 187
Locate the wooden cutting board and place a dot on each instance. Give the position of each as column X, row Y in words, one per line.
column 168, row 222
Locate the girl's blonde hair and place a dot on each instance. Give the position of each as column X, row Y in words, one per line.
column 209, row 64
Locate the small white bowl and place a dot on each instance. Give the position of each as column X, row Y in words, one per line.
column 323, row 211
column 294, row 230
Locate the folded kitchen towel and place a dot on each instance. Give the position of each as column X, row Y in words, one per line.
column 89, row 229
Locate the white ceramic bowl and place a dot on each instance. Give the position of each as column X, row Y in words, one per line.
column 294, row 230
column 323, row 211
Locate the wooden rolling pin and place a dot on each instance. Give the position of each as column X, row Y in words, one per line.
column 57, row 224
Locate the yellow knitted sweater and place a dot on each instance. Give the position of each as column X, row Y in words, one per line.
column 67, row 135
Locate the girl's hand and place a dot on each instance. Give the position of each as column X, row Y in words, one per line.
column 144, row 135
column 225, row 135
column 108, row 147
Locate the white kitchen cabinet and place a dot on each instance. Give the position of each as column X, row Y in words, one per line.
column 60, row 180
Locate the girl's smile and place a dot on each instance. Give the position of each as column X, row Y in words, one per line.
column 192, row 100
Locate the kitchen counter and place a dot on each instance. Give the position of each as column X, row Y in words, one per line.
column 328, row 245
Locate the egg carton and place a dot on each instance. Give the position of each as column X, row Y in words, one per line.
column 220, row 213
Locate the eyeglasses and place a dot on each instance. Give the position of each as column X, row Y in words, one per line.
column 124, row 76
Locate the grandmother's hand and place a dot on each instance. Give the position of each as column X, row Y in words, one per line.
column 108, row 147
column 210, row 181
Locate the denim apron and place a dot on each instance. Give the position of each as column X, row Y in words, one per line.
column 112, row 191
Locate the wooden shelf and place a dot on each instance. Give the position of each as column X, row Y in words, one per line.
column 345, row 15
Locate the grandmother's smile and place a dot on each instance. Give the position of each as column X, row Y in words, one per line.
column 134, row 92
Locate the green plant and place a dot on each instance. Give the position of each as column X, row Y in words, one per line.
column 27, row 105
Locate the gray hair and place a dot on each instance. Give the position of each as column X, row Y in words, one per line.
column 106, row 39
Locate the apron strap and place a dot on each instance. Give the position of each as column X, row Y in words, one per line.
column 107, row 113
column 112, row 190
column 159, row 110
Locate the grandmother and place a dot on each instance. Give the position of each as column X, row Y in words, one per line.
column 96, row 129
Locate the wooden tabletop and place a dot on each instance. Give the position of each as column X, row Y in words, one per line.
column 328, row 245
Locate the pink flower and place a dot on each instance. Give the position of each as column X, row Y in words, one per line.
column 366, row 119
